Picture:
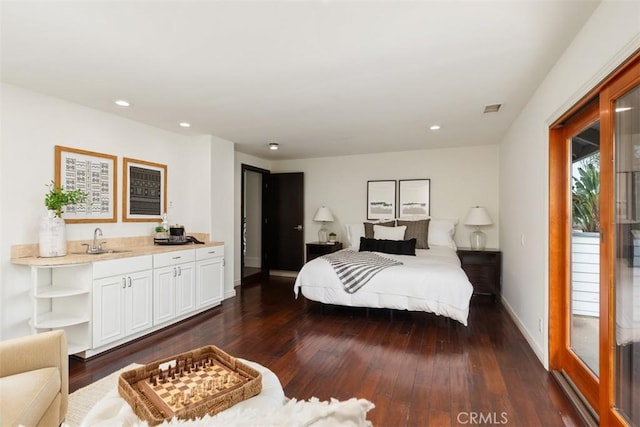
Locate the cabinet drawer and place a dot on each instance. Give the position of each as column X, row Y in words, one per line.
column 209, row 252
column 483, row 277
column 172, row 258
column 116, row 267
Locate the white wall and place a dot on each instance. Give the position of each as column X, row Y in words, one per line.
column 460, row 178
column 222, row 212
column 32, row 124
column 610, row 35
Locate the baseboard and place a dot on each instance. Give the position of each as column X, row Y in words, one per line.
column 282, row 273
column 230, row 294
column 527, row 336
column 237, row 283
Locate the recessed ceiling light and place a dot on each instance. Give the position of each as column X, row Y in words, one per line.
column 185, row 124
column 273, row 146
column 434, row 127
column 122, row 103
column 621, row 109
column 492, row 108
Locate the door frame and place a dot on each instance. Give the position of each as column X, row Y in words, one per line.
column 617, row 83
column 264, row 263
column 561, row 357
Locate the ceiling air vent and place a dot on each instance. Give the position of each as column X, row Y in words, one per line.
column 493, row 108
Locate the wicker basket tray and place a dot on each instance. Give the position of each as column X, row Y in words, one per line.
column 188, row 386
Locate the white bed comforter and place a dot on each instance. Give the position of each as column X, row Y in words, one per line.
column 432, row 281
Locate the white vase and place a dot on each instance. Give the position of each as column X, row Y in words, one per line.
column 53, row 236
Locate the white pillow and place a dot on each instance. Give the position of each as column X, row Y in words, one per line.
column 354, row 233
column 441, row 231
column 389, row 233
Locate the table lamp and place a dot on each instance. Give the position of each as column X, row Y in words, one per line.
column 478, row 217
column 323, row 215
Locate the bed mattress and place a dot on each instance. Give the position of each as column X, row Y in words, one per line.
column 432, row 281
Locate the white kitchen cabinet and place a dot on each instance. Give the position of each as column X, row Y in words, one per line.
column 61, row 298
column 210, row 276
column 174, row 285
column 122, row 298
column 103, row 303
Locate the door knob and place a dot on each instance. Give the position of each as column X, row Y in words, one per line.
column 298, row 227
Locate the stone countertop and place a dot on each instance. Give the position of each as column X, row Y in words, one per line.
column 76, row 253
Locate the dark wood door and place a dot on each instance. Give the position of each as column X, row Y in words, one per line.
column 286, row 228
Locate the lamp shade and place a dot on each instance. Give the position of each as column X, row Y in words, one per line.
column 478, row 216
column 323, row 214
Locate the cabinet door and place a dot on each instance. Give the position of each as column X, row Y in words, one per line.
column 185, row 289
column 210, row 281
column 108, row 310
column 139, row 302
column 163, row 294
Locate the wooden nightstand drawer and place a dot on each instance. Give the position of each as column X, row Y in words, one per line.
column 316, row 249
column 484, row 269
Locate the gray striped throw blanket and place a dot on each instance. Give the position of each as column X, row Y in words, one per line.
column 355, row 269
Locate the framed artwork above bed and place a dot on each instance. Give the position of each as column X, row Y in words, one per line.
column 414, row 197
column 381, row 199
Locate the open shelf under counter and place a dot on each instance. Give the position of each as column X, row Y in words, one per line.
column 58, row 292
column 56, row 320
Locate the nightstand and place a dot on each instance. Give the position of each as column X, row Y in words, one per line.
column 484, row 269
column 316, row 249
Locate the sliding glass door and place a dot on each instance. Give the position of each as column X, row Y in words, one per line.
column 594, row 247
column 626, row 335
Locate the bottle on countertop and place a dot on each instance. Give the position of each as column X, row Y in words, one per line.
column 165, row 222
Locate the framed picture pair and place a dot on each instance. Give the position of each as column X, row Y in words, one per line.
column 413, row 198
column 144, row 187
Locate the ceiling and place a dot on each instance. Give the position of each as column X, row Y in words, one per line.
column 321, row 78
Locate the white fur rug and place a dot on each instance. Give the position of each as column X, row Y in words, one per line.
column 99, row 404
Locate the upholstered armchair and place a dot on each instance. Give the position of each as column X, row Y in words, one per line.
column 34, row 380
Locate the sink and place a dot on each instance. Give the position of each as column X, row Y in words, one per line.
column 102, row 251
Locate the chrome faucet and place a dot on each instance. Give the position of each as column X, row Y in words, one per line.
column 95, row 247
column 96, row 233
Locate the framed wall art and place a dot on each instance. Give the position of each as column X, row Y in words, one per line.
column 381, row 199
column 144, row 190
column 95, row 174
column 414, row 195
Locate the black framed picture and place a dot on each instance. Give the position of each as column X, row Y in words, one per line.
column 415, row 197
column 381, row 199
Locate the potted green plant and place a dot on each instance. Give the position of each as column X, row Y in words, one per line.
column 332, row 237
column 57, row 198
column 53, row 233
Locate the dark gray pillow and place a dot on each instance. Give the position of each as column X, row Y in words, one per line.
column 418, row 230
column 368, row 227
column 397, row 247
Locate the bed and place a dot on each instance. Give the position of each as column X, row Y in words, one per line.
column 431, row 281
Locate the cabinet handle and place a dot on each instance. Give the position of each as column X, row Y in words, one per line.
column 174, row 272
column 211, row 252
column 176, row 257
column 223, row 262
column 124, row 282
column 179, row 271
column 129, row 278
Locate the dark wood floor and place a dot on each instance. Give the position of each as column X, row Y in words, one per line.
column 417, row 368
